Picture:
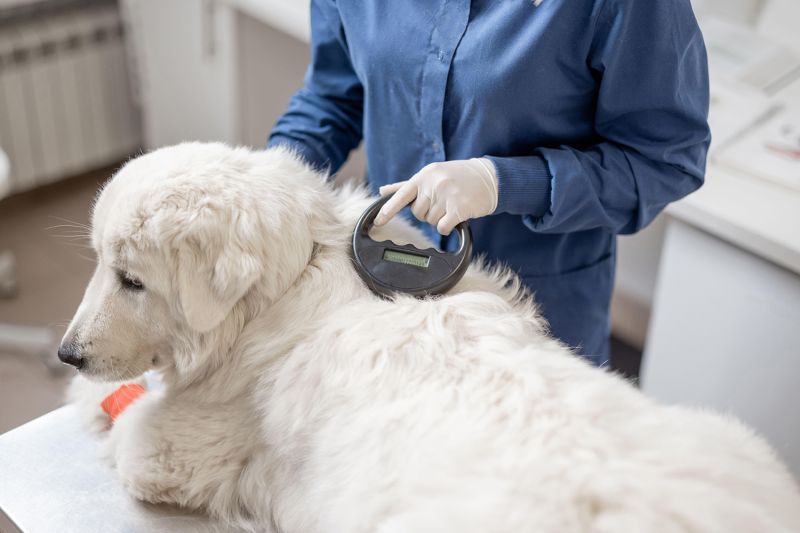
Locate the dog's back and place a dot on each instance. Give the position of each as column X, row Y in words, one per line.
column 457, row 415
column 461, row 414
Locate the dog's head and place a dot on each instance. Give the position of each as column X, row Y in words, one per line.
column 183, row 236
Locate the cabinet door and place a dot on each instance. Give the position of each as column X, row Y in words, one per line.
column 184, row 62
column 724, row 335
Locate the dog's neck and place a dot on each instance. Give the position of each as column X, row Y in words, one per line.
column 262, row 328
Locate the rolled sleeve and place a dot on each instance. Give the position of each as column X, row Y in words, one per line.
column 523, row 185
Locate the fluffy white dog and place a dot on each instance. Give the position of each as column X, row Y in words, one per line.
column 294, row 400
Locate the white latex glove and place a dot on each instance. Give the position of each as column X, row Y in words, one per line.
column 444, row 194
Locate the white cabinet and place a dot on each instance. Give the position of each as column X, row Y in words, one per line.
column 725, row 334
column 214, row 70
column 185, row 64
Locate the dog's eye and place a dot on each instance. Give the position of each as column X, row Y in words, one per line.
column 129, row 282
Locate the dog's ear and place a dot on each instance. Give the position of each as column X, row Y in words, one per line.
column 210, row 282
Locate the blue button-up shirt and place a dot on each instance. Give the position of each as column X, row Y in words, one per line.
column 593, row 112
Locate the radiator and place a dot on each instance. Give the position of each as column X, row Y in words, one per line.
column 66, row 103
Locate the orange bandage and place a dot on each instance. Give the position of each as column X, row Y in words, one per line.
column 117, row 401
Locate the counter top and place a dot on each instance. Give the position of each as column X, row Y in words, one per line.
column 757, row 215
column 52, row 479
column 289, row 16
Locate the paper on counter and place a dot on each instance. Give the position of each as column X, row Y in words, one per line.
column 771, row 151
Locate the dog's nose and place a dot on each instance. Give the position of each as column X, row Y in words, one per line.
column 68, row 353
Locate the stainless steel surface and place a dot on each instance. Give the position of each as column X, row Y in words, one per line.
column 52, row 479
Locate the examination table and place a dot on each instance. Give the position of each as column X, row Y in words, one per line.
column 53, row 480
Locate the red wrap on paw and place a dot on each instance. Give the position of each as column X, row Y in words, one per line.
column 120, row 399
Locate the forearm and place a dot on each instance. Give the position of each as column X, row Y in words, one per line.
column 606, row 186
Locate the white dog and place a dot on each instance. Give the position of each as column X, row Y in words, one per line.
column 294, row 400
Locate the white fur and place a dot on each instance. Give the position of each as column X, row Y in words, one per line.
column 297, row 401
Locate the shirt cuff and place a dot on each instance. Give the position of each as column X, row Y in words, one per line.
column 309, row 154
column 523, row 185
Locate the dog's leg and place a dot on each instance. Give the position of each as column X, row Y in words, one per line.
column 169, row 451
column 141, row 449
column 86, row 396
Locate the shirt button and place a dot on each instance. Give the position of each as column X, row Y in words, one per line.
column 435, row 146
column 442, row 55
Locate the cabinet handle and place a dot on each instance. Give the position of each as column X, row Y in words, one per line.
column 208, row 34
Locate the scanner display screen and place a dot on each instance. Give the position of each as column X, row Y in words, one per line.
column 406, row 258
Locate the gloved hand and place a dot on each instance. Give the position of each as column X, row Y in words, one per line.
column 444, row 194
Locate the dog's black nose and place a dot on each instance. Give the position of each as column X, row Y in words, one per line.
column 68, row 353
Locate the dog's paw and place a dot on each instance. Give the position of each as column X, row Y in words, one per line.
column 147, row 477
column 150, row 489
column 87, row 397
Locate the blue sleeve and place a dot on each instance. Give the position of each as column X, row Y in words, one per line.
column 651, row 119
column 324, row 119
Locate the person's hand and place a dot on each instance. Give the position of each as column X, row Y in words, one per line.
column 444, row 194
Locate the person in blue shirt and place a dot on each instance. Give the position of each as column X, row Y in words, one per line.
column 552, row 125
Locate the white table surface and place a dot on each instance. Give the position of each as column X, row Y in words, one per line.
column 757, row 215
column 52, row 480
